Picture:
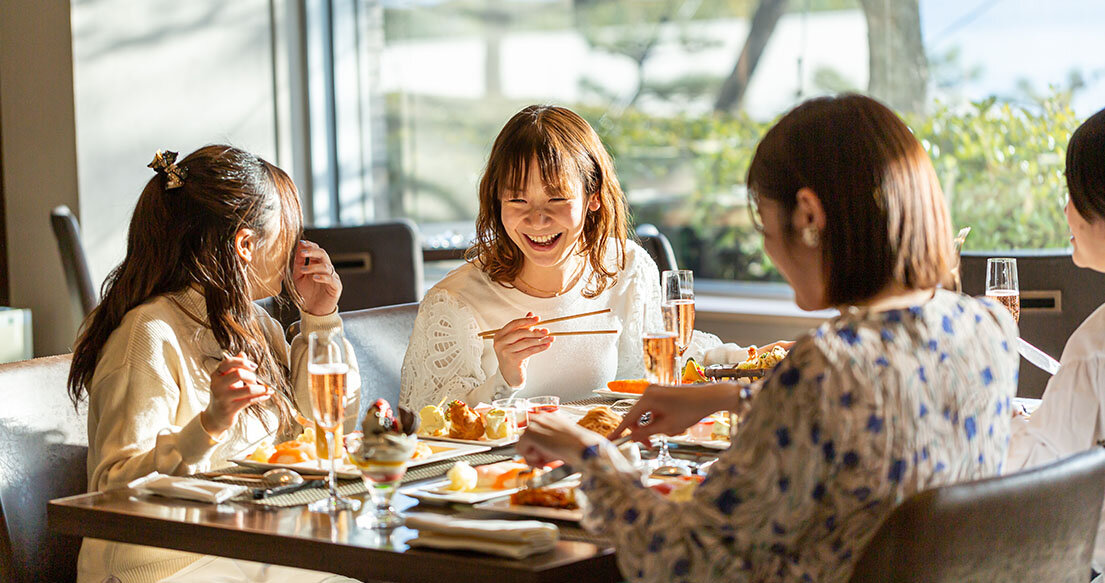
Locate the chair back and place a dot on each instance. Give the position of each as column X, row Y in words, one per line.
column 657, row 246
column 82, row 294
column 379, row 337
column 1035, row 525
column 380, row 264
column 43, row 455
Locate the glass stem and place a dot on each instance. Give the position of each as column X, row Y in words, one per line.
column 330, row 439
column 664, row 456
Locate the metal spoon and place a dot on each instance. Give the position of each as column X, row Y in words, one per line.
column 281, row 477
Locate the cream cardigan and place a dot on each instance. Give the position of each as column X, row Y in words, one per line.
column 151, row 382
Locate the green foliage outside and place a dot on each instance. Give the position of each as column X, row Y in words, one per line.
column 1001, row 167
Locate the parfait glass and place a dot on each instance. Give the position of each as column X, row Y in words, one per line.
column 382, row 470
column 327, row 368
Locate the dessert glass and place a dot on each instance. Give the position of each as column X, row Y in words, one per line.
column 382, row 467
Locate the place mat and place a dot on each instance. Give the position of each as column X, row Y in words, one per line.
column 596, row 400
column 351, row 487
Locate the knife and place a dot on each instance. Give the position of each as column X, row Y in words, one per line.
column 1037, row 357
column 561, row 473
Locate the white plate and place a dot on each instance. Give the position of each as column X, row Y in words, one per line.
column 616, row 394
column 487, row 443
column 435, row 491
column 707, row 443
column 442, row 451
column 504, row 505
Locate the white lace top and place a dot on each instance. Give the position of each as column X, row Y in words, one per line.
column 446, row 358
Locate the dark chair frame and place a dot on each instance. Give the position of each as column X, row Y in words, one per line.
column 82, row 294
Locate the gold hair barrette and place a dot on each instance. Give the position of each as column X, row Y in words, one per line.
column 164, row 162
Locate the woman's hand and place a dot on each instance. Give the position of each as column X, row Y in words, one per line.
column 234, row 386
column 672, row 409
column 515, row 343
column 315, row 279
column 784, row 344
column 551, row 436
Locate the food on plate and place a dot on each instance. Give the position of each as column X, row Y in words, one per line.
column 433, row 421
column 462, row 477
column 497, row 425
column 264, row 451
column 549, row 497
column 601, row 420
column 677, row 488
column 503, row 475
column 422, row 451
column 762, row 361
column 720, row 430
column 292, row 452
column 464, row 423
column 635, row 386
column 692, row 373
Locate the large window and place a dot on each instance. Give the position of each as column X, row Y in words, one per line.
column 682, row 90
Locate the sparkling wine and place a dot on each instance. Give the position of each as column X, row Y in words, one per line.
column 679, row 318
column 327, row 384
column 1011, row 299
column 660, row 357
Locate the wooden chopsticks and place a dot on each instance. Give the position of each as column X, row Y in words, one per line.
column 492, row 333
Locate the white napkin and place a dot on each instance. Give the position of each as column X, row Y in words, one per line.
column 514, row 539
column 727, row 353
column 187, row 488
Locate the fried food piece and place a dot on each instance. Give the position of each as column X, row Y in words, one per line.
column 464, row 422
column 551, row 497
column 601, row 420
column 635, row 386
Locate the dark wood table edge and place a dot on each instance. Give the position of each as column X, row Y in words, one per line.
column 365, row 564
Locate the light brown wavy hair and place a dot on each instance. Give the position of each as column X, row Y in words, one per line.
column 566, row 150
column 185, row 236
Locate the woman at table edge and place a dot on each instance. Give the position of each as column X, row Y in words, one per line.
column 181, row 369
column 1071, row 415
column 907, row 389
column 551, row 240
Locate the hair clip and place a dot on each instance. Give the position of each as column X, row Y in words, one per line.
column 164, row 162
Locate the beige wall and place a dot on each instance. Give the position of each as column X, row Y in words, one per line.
column 39, row 157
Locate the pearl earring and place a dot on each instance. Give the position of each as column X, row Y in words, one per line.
column 811, row 236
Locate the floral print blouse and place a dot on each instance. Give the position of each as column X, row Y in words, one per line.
column 866, row 410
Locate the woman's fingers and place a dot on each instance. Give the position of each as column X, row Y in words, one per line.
column 527, row 343
column 234, row 362
column 252, row 393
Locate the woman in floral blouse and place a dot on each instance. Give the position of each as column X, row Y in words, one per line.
column 907, row 389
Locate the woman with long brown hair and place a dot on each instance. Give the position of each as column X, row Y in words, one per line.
column 181, row 369
column 908, row 388
column 551, row 240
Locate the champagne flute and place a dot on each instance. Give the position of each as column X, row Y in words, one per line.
column 660, row 355
column 1001, row 284
column 327, row 368
column 677, row 306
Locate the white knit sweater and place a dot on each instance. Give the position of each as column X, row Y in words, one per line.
column 446, row 358
column 151, row 382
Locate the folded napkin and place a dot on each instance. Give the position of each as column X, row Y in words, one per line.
column 223, row 570
column 187, row 488
column 514, row 539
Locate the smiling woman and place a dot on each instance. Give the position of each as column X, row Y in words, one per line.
column 551, row 241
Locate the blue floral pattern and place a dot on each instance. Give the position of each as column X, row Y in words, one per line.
column 837, row 437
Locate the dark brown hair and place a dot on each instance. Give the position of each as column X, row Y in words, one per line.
column 1086, row 168
column 566, row 149
column 186, row 236
column 886, row 219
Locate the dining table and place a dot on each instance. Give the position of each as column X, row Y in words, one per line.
column 291, row 535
